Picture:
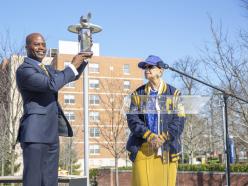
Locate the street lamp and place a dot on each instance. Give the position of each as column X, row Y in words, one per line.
column 84, row 30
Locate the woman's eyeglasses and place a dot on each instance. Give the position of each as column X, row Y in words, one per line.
column 149, row 67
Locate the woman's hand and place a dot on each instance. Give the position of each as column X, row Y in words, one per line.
column 155, row 141
column 160, row 141
column 152, row 140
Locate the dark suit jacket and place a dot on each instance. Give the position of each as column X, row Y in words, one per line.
column 43, row 119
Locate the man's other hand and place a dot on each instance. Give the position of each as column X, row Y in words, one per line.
column 79, row 58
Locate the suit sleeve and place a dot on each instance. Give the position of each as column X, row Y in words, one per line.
column 176, row 127
column 135, row 124
column 30, row 79
column 81, row 69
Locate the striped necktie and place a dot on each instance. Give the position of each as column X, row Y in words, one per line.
column 43, row 67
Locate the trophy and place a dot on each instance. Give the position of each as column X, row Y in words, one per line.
column 85, row 29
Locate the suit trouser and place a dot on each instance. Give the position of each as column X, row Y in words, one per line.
column 40, row 164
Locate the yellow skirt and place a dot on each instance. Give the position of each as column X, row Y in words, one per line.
column 149, row 170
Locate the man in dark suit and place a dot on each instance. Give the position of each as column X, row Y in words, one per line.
column 43, row 120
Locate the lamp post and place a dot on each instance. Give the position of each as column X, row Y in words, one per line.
column 84, row 30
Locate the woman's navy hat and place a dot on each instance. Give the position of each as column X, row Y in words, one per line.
column 151, row 60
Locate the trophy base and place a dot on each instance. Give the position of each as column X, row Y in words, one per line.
column 86, row 52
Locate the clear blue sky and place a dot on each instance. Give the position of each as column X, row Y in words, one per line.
column 171, row 29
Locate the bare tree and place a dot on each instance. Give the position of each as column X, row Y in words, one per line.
column 227, row 63
column 4, row 107
column 244, row 4
column 11, row 102
column 195, row 132
column 68, row 158
column 190, row 66
column 113, row 130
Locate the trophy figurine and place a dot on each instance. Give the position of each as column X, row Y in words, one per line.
column 85, row 29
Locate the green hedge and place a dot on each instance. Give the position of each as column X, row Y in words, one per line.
column 206, row 167
column 213, row 167
column 93, row 175
column 125, row 168
column 202, row 167
column 239, row 168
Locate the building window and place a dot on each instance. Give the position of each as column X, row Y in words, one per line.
column 126, row 69
column 94, row 83
column 94, row 116
column 70, row 116
column 94, row 132
column 126, row 85
column 94, row 149
column 70, row 85
column 69, row 99
column 93, row 67
column 94, row 99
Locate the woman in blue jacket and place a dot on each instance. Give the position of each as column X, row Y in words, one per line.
column 154, row 142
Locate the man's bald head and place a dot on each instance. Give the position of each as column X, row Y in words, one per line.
column 29, row 37
column 36, row 46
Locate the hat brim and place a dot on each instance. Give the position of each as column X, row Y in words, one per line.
column 142, row 64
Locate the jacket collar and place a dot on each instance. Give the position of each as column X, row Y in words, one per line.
column 162, row 88
column 31, row 61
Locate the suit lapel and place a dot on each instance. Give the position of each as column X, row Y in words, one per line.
column 50, row 71
column 35, row 65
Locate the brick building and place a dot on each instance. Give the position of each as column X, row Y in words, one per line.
column 110, row 80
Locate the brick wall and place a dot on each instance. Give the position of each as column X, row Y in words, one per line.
column 106, row 178
column 211, row 178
